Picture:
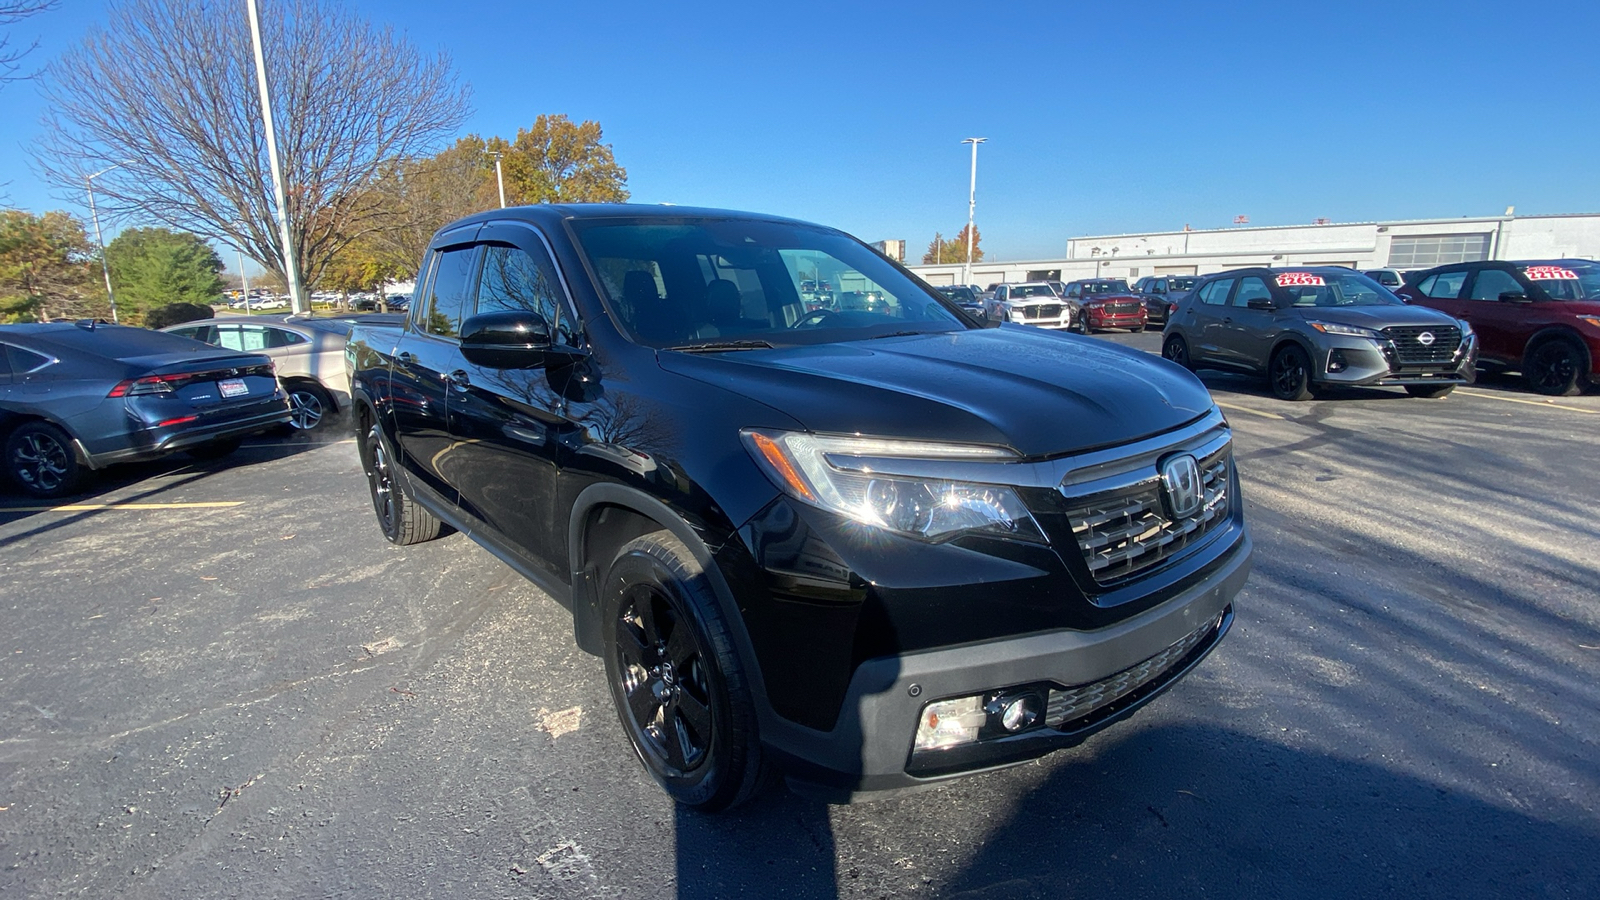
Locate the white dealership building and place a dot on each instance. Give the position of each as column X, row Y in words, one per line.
column 1407, row 244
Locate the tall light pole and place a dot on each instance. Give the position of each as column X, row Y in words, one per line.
column 291, row 273
column 94, row 213
column 499, row 179
column 972, row 204
column 244, row 280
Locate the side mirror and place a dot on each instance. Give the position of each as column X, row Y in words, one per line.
column 509, row 339
column 1514, row 297
column 1261, row 303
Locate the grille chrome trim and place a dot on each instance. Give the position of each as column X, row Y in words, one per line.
column 1121, row 523
column 1069, row 704
column 1410, row 351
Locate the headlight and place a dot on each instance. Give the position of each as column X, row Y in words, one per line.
column 835, row 472
column 1350, row 330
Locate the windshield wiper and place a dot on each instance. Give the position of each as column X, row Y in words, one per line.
column 714, row 346
column 901, row 334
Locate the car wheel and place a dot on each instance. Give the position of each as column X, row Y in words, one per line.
column 1176, row 349
column 309, row 405
column 1554, row 367
column 40, row 459
column 677, row 682
column 1290, row 374
column 1083, row 326
column 1428, row 391
column 402, row 519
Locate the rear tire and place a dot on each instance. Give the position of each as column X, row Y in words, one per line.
column 1554, row 367
column 1176, row 349
column 310, row 406
column 1429, row 392
column 402, row 520
column 676, row 679
column 1289, row 374
column 41, row 460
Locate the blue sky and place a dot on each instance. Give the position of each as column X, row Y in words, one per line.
column 1101, row 118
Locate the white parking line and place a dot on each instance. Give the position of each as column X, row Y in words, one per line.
column 1547, row 404
column 1253, row 412
column 90, row 507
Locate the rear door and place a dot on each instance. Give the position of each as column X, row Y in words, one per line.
column 1210, row 321
column 510, row 425
column 427, row 355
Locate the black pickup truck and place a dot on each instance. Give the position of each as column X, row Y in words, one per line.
column 864, row 549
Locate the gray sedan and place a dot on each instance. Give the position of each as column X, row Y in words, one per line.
column 1316, row 327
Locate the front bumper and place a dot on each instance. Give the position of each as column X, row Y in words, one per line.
column 1359, row 362
column 1115, row 320
column 870, row 748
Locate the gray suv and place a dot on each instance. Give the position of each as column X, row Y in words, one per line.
column 1316, row 327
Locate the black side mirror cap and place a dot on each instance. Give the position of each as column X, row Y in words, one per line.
column 1261, row 303
column 508, row 339
column 1514, row 297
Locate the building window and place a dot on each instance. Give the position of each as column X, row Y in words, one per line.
column 1427, row 251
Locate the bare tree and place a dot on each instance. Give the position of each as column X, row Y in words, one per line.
column 166, row 92
column 11, row 12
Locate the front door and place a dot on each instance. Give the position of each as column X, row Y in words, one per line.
column 1250, row 334
column 1503, row 326
column 509, row 426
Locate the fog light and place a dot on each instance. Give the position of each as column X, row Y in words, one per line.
column 1015, row 713
column 950, row 722
column 1336, row 361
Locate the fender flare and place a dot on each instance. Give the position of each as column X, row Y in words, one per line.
column 586, row 583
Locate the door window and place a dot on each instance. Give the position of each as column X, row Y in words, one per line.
column 448, row 295
column 22, row 362
column 1251, row 289
column 514, row 279
column 1216, row 293
column 1491, row 283
column 1445, row 285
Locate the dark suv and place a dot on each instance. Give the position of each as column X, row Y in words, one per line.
column 1161, row 292
column 1316, row 327
column 871, row 548
column 1540, row 318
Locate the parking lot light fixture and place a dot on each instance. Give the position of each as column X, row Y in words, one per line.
column 94, row 213
column 972, row 202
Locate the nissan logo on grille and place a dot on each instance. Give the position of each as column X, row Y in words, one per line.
column 1180, row 482
column 1425, row 339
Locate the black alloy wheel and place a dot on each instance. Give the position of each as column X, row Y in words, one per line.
column 402, row 520
column 1554, row 367
column 676, row 680
column 1176, row 349
column 1290, row 374
column 40, row 459
column 309, row 406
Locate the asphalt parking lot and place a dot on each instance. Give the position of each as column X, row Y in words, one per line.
column 219, row 680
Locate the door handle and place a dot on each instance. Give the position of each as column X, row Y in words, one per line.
column 458, row 378
column 406, row 358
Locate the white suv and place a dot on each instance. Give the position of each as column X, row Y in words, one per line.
column 1029, row 303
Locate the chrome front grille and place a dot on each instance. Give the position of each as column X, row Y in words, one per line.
column 1411, row 349
column 1041, row 311
column 1123, row 307
column 1128, row 529
column 1069, row 704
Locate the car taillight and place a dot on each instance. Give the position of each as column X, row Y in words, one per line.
column 150, row 384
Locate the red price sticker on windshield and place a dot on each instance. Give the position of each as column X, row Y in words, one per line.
column 1550, row 273
column 1300, row 279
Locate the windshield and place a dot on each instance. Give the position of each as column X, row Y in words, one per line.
column 1024, row 291
column 688, row 283
column 1333, row 289
column 959, row 294
column 1566, row 282
column 1115, row 286
column 1181, row 284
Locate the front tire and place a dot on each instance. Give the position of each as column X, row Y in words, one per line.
column 402, row 519
column 1554, row 367
column 677, row 682
column 1289, row 374
column 40, row 459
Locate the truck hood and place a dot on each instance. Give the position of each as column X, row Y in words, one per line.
column 1039, row 393
column 1375, row 317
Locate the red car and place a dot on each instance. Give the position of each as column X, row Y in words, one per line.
column 1106, row 303
column 1537, row 317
